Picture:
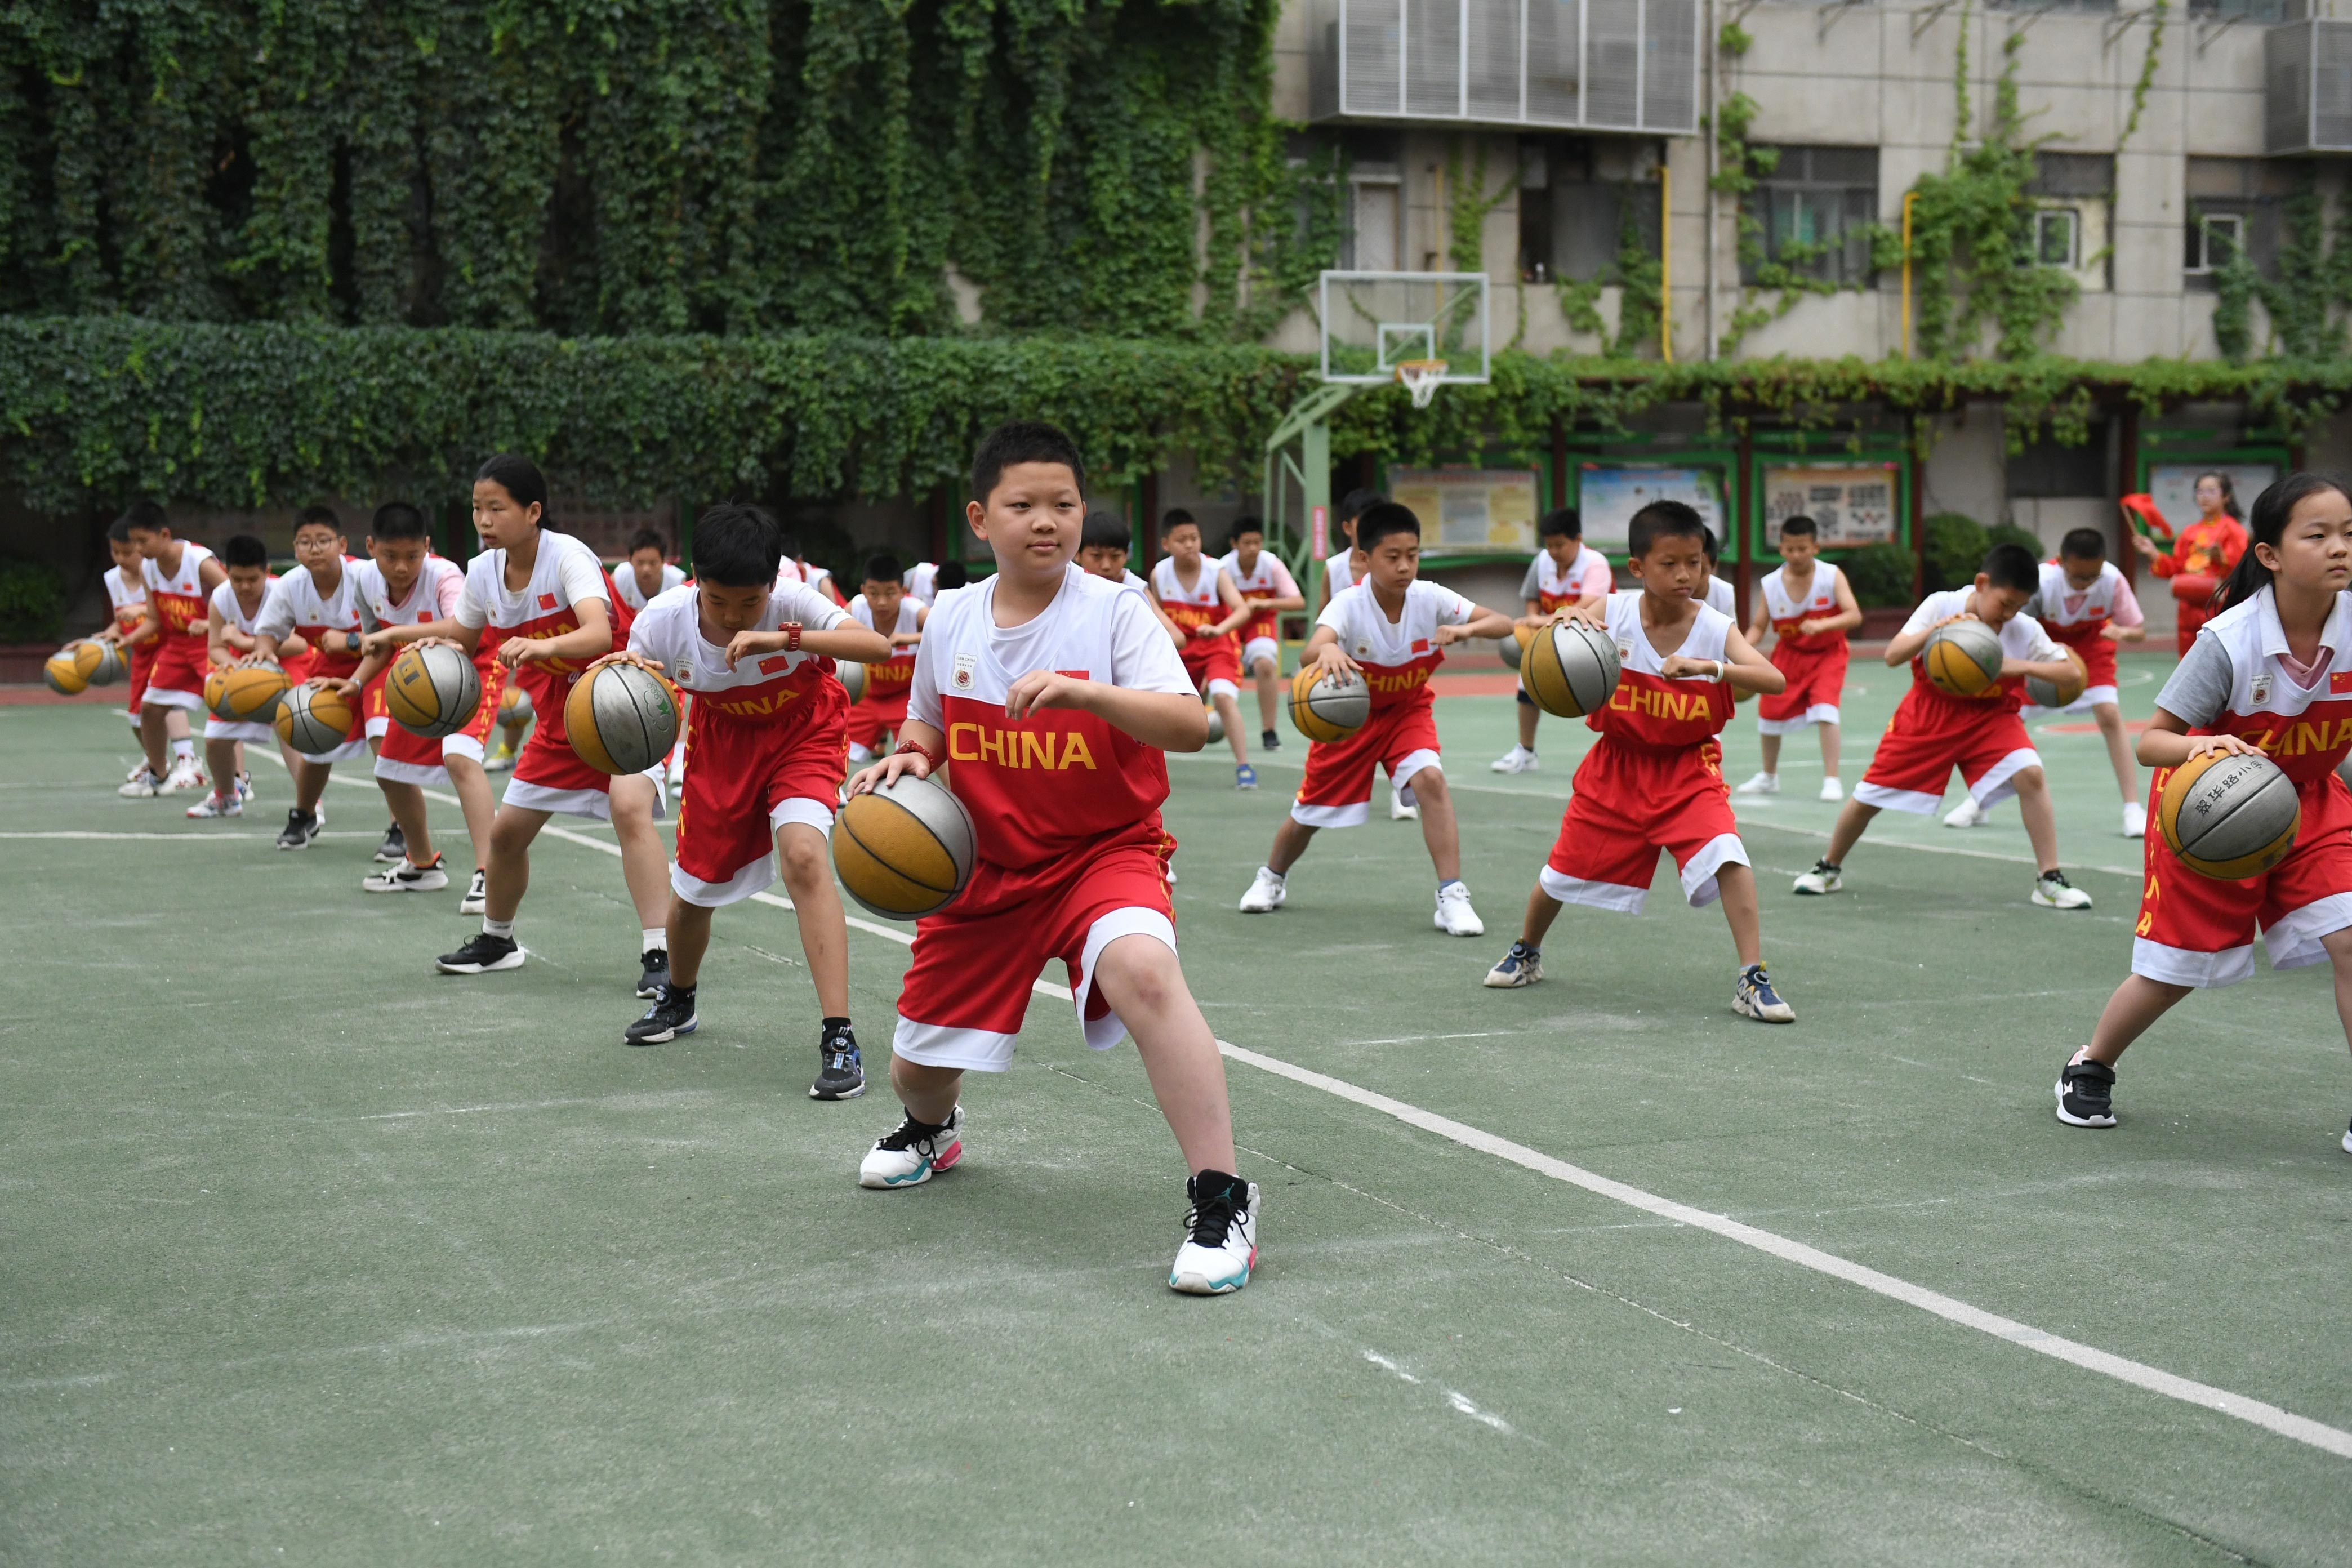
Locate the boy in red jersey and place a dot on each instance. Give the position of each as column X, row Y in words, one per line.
column 1563, row 574
column 2084, row 605
column 1048, row 697
column 1103, row 552
column 1809, row 605
column 179, row 578
column 1655, row 779
column 126, row 592
column 1188, row 587
column 540, row 601
column 766, row 728
column 1266, row 586
column 1934, row 732
column 318, row 602
column 1392, row 628
column 237, row 607
column 883, row 605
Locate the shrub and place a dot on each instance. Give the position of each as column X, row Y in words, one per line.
column 1881, row 575
column 2010, row 533
column 1956, row 548
column 32, row 602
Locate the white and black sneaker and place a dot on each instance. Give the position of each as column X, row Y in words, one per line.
column 913, row 1153
column 2052, row 890
column 301, row 830
column 1523, row 965
column 407, row 877
column 1753, row 996
column 2086, row 1094
column 671, row 1015
column 143, row 784
column 1220, row 1245
column 840, row 1069
column 2347, row 1141
column 1824, row 878
column 477, row 894
column 653, row 972
column 481, row 954
column 395, row 848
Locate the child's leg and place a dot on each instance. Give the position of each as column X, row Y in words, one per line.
column 1231, row 712
column 1140, row 977
column 472, row 786
column 688, row 929
column 2111, row 730
column 509, row 865
column 1262, row 670
column 1438, row 828
column 176, row 731
column 220, row 761
column 408, row 803
column 2338, row 945
column 1542, row 909
column 311, row 783
column 153, row 737
column 2041, row 817
column 1736, row 884
column 1528, row 714
column 645, row 862
column 1770, row 746
column 1829, row 740
column 824, row 930
column 2140, row 1002
column 1852, row 820
column 930, row 1094
column 1290, row 841
column 293, row 760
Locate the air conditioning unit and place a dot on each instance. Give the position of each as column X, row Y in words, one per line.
column 1582, row 65
column 2307, row 87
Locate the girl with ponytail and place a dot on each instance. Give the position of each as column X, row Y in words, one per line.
column 2270, row 673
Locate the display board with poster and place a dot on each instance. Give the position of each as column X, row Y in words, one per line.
column 1852, row 504
column 1608, row 494
column 1470, row 511
column 2173, row 486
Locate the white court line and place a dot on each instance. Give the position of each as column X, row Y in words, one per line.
column 2154, row 1380
column 193, row 836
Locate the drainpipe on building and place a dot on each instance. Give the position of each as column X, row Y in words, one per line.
column 1706, row 272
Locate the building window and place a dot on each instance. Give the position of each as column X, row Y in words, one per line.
column 2236, row 207
column 2057, row 237
column 2073, row 195
column 1582, row 203
column 2215, row 240
column 1817, row 206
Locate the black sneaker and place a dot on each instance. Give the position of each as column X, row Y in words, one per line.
column 2087, row 1095
column 671, row 1015
column 301, row 830
column 840, row 1070
column 481, row 954
column 395, row 848
column 655, row 972
column 1269, row 741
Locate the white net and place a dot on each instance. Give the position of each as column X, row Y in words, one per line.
column 1422, row 378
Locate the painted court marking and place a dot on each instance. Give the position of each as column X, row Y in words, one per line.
column 2139, row 1374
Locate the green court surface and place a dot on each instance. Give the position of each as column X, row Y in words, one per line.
column 312, row 1255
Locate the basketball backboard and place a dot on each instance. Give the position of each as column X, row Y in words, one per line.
column 1375, row 323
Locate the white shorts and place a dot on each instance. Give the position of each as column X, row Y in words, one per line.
column 760, row 874
column 1262, row 647
column 595, row 804
column 239, row 729
column 2092, row 697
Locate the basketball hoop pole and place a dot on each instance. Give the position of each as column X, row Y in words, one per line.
column 1298, row 461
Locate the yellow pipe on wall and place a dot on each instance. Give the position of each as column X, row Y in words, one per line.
column 1907, row 197
column 1666, row 264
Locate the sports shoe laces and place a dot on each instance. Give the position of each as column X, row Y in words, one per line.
column 906, row 1135
column 2057, row 880
column 1210, row 1218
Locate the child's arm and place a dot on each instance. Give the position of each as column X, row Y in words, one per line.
column 2166, row 742
column 591, row 639
column 1176, row 634
column 1848, row 617
column 1906, row 645
column 1323, row 651
column 922, row 751
column 449, row 629
column 915, row 637
column 1237, row 609
column 1172, row 721
column 1486, row 623
column 849, row 640
column 210, row 575
column 218, row 647
column 1762, row 624
column 1741, row 665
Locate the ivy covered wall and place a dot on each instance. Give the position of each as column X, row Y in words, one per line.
column 623, row 166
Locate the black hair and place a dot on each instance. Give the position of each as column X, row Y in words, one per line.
column 1022, row 441
column 1106, row 530
column 1381, row 519
column 2272, row 509
column 244, row 550
column 1665, row 519
column 519, row 478
column 1177, row 517
column 2082, row 544
column 1800, row 524
column 883, row 567
column 951, row 574
column 1246, row 523
column 318, row 515
column 1564, row 523
column 2011, row 566
column 2229, row 491
column 1355, row 503
column 649, row 539
column 1707, row 543
column 398, row 520
column 737, row 546
column 141, row 513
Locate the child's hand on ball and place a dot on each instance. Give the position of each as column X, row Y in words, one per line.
column 2228, row 745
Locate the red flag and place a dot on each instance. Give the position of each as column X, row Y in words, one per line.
column 1421, row 645
column 770, row 666
column 2339, row 682
column 547, row 601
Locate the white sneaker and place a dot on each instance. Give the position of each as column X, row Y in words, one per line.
column 1170, row 869
column 1267, row 891
column 900, row 1158
column 1831, row 789
column 1518, row 759
column 142, row 785
column 407, row 878
column 1823, row 878
column 676, row 774
column 1968, row 814
column 477, row 894
column 245, row 786
column 1455, row 916
column 499, row 761
column 1220, row 1245
column 212, row 806
column 2134, row 820
column 1399, row 812
column 1762, row 784
column 143, row 771
column 2052, row 891
column 187, row 774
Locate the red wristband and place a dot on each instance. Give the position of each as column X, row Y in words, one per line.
column 792, row 638
column 923, row 752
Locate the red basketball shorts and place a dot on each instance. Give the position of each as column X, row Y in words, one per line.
column 1816, row 677
column 176, row 677
column 1337, row 789
column 743, row 782
column 549, row 775
column 1931, row 736
column 1214, row 665
column 2098, row 657
column 1629, row 804
column 404, row 758
column 967, row 989
column 2194, row 930
column 878, row 714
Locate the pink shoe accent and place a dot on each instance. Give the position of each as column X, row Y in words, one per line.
column 949, row 1159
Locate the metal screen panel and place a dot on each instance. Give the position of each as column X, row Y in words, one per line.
column 1670, row 66
column 1554, row 56
column 1491, row 52
column 1432, row 58
column 2331, row 86
column 1613, row 62
column 1372, row 35
column 1615, row 65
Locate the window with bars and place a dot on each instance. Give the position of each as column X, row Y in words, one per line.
column 1816, row 206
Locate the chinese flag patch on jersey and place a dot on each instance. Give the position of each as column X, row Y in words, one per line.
column 770, row 666
column 547, row 601
column 1421, row 645
column 2339, row 682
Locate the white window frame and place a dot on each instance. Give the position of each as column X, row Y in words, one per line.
column 2041, row 215
column 2235, row 222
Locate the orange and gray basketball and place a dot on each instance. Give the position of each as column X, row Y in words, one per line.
column 622, row 718
column 1570, row 670
column 903, row 850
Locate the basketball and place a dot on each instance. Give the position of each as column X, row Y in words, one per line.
column 1217, row 725
column 64, row 671
column 622, row 718
column 1513, row 648
column 2058, row 693
column 905, row 849
column 514, row 705
column 851, row 676
column 431, row 691
column 109, row 668
column 1571, row 669
column 1963, row 659
column 2229, row 818
column 313, row 720
column 1329, row 710
column 245, row 693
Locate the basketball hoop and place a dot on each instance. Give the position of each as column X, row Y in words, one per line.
column 1421, row 377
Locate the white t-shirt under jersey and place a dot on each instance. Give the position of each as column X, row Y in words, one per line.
column 1142, row 659
column 625, row 589
column 231, row 614
column 1368, row 636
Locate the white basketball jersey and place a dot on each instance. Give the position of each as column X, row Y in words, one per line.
column 231, row 614
column 625, row 589
column 670, row 631
column 1201, row 594
column 2058, row 603
column 1819, row 599
column 433, row 595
